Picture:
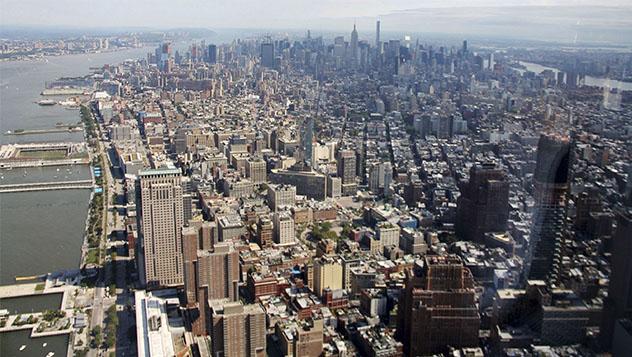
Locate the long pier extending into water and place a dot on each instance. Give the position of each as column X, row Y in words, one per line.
column 45, row 186
column 60, row 129
column 43, row 154
column 42, row 163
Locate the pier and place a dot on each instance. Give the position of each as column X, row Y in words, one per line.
column 46, row 186
column 42, row 163
column 43, row 154
column 67, row 129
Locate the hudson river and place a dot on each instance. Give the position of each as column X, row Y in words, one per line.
column 41, row 232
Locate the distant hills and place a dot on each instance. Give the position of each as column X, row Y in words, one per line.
column 53, row 32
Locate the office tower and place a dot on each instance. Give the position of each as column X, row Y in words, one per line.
column 267, row 54
column 207, row 275
column 339, row 47
column 347, row 171
column 161, row 221
column 284, row 232
column 572, row 79
column 334, row 186
column 392, row 56
column 307, row 182
column 413, row 192
column 483, row 205
column 388, row 234
column 354, row 47
column 548, row 228
column 265, row 232
column 464, row 48
column 437, row 307
column 380, row 178
column 212, row 54
column 327, row 274
column 280, row 196
column 378, row 44
column 187, row 199
column 445, row 127
column 618, row 304
column 388, row 178
column 237, row 330
column 256, row 170
column 307, row 138
column 301, row 338
column 163, row 57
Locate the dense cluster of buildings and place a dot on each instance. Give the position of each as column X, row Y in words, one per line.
column 338, row 198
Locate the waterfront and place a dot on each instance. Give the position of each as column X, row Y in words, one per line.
column 45, row 174
column 32, row 303
column 41, row 232
column 21, row 83
column 31, row 239
column 588, row 80
column 10, row 343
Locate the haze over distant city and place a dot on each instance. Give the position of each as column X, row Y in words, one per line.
column 557, row 20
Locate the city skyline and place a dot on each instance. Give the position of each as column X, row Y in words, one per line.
column 354, row 186
column 559, row 20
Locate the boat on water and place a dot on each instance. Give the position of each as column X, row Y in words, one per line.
column 46, row 102
column 69, row 103
column 44, row 344
column 50, row 354
column 22, row 347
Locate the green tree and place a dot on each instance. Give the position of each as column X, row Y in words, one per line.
column 98, row 337
column 346, row 230
column 110, row 341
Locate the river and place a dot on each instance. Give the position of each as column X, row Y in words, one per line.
column 588, row 80
column 41, row 232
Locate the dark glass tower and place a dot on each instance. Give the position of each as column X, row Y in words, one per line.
column 618, row 305
column 548, row 229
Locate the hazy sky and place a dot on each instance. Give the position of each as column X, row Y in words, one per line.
column 232, row 13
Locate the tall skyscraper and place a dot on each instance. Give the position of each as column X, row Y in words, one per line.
column 483, row 205
column 238, row 330
column 355, row 56
column 307, row 138
column 267, row 54
column 378, row 44
column 163, row 56
column 212, row 54
column 256, row 170
column 208, row 274
column 380, row 177
column 548, row 228
column 437, row 307
column 347, row 171
column 161, row 221
column 618, row 305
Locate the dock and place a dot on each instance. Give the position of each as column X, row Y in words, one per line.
column 43, row 154
column 45, row 131
column 42, row 163
column 65, row 91
column 47, row 186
